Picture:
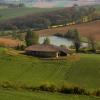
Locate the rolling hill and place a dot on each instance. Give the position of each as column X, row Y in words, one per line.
column 10, row 13
column 82, row 70
column 33, row 71
column 52, row 3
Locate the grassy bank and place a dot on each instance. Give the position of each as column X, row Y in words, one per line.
column 23, row 95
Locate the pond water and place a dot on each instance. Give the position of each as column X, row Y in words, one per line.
column 60, row 41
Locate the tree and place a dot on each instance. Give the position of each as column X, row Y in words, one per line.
column 31, row 38
column 74, row 35
column 46, row 41
column 91, row 9
column 92, row 43
column 70, row 34
column 63, row 46
column 76, row 40
column 21, row 5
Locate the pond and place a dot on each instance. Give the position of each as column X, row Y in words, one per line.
column 60, row 41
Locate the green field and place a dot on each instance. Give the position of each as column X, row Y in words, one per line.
column 84, row 70
column 16, row 95
column 97, row 8
column 16, row 12
column 23, row 95
column 8, row 13
column 28, row 70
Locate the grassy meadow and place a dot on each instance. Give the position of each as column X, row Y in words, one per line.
column 82, row 70
column 20, row 95
column 9, row 13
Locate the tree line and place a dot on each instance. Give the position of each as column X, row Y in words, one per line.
column 47, row 19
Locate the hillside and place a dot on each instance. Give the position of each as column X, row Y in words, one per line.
column 15, row 67
column 82, row 70
column 17, row 12
column 85, row 29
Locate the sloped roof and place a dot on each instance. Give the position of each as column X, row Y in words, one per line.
column 46, row 48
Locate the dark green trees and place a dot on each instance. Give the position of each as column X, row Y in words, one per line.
column 46, row 41
column 92, row 43
column 77, row 41
column 31, row 38
column 75, row 36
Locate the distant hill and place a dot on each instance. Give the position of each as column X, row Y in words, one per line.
column 17, row 12
column 52, row 3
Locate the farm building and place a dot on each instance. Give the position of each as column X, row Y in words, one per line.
column 46, row 51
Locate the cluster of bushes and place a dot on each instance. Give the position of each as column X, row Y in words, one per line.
column 69, row 34
column 96, row 93
column 44, row 20
column 15, row 86
column 65, row 89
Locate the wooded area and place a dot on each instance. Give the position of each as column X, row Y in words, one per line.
column 62, row 17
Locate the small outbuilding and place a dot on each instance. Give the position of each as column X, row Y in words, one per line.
column 46, row 51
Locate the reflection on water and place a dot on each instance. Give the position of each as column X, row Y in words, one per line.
column 60, row 41
column 57, row 41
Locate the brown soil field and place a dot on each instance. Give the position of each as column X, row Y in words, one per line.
column 85, row 29
column 7, row 42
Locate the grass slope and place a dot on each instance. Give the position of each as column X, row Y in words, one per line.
column 8, row 13
column 83, row 70
column 20, row 95
column 17, row 12
column 29, row 70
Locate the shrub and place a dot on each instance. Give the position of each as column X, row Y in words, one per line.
column 46, row 41
column 79, row 90
column 48, row 87
column 96, row 93
column 66, row 89
column 73, row 90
